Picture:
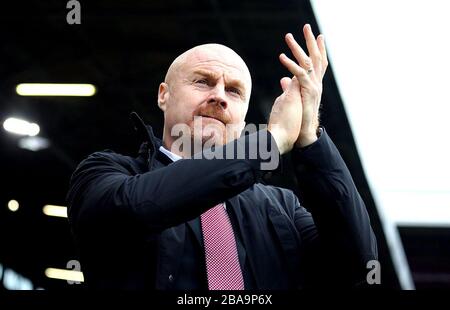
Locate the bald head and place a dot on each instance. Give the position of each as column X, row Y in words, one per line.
column 209, row 53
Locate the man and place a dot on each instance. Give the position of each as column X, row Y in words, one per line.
column 177, row 218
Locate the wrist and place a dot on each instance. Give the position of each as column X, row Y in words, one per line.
column 306, row 139
column 280, row 139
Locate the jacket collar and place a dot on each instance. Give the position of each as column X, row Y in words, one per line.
column 150, row 146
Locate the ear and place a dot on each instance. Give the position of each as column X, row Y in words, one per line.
column 163, row 96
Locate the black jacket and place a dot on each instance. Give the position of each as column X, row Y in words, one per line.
column 136, row 219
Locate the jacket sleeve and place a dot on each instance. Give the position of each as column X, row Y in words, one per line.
column 338, row 239
column 105, row 191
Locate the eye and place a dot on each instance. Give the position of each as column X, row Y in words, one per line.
column 234, row 90
column 202, row 81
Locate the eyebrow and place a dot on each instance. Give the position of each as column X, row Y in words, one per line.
column 207, row 73
column 215, row 76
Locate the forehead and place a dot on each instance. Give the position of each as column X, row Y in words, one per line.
column 218, row 62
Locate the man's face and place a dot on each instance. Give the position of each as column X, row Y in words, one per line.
column 211, row 85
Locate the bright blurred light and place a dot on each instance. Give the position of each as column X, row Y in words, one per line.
column 21, row 127
column 34, row 143
column 54, row 89
column 14, row 281
column 64, row 274
column 13, row 205
column 52, row 210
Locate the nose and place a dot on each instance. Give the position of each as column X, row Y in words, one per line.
column 217, row 97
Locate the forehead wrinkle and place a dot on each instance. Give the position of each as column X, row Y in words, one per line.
column 220, row 63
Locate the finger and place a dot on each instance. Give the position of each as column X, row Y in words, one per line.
column 284, row 82
column 298, row 71
column 298, row 52
column 313, row 49
column 323, row 52
column 293, row 89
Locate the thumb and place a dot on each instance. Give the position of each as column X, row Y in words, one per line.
column 284, row 82
column 293, row 89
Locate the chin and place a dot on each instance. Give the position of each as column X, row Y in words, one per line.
column 211, row 134
column 213, row 140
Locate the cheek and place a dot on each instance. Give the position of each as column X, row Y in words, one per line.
column 187, row 100
column 237, row 118
column 182, row 106
column 238, row 113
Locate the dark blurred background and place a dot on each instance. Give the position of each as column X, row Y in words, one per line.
column 124, row 48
